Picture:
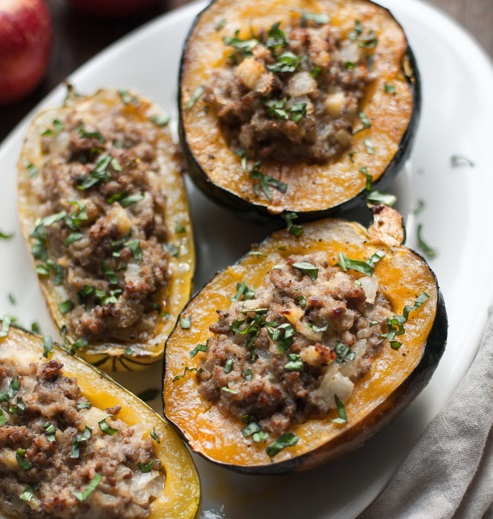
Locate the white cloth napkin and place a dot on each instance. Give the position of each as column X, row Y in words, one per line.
column 449, row 472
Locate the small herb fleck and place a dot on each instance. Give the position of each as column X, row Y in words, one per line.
column 428, row 251
column 82, row 496
column 459, row 160
column 186, row 322
column 286, row 440
column 195, row 97
column 307, row 268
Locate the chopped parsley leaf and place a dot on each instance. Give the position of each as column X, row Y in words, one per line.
column 82, row 496
column 286, row 440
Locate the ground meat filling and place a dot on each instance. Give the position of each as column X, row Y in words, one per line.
column 53, row 445
column 284, row 352
column 292, row 93
column 103, row 223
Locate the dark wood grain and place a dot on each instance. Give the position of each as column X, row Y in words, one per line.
column 78, row 37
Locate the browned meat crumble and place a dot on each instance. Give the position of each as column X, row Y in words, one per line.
column 51, row 448
column 281, row 354
column 291, row 93
column 102, row 234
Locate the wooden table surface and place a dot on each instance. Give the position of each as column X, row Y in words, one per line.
column 78, row 37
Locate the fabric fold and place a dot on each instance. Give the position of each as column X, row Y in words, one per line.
column 449, row 472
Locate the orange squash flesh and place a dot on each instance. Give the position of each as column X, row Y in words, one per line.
column 181, row 496
column 392, row 382
column 314, row 190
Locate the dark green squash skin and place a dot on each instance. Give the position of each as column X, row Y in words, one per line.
column 374, row 422
column 250, row 210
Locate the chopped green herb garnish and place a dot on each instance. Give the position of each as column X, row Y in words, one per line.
column 369, row 147
column 316, row 18
column 6, row 321
column 365, row 267
column 84, row 405
column 186, row 322
column 315, row 72
column 341, row 411
column 429, row 251
column 457, row 160
column 369, row 178
column 366, row 123
column 389, row 89
column 276, row 38
column 265, row 182
column 228, row 367
column 242, row 47
column 420, row 205
column 82, row 496
column 317, row 329
column 220, row 25
column 275, row 108
column 72, row 237
column 35, row 328
column 343, row 353
column 147, row 467
column 286, row 62
column 376, row 197
column 51, row 132
column 107, row 429
column 367, row 41
column 247, row 373
column 149, row 394
column 50, row 432
column 90, row 135
column 301, row 300
column 179, row 228
column 298, row 111
column 242, row 154
column 6, row 236
column 252, row 428
column 28, row 492
column 189, row 370
column 199, row 347
column 160, row 120
column 243, row 292
column 307, row 268
column 109, row 274
column 295, row 363
column 32, row 169
column 195, row 97
column 128, row 98
column 286, row 440
column 131, row 199
column 21, row 460
column 155, row 436
column 11, row 298
column 226, row 389
column 77, row 345
column 78, row 440
column 295, row 230
column 134, row 246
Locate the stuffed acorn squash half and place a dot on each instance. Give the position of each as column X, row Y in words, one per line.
column 306, row 347
column 76, row 444
column 103, row 208
column 296, row 105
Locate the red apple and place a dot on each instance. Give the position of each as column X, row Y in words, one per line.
column 113, row 8
column 25, row 44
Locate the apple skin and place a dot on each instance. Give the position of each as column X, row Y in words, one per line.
column 25, row 45
column 112, row 8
